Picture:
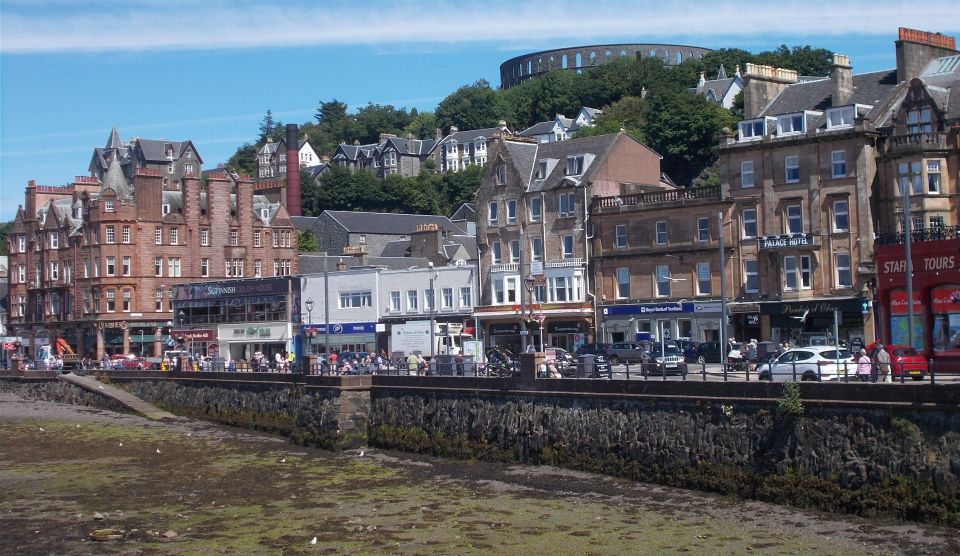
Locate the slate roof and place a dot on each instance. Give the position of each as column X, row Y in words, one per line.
column 388, row 223
column 114, row 180
column 467, row 211
column 470, row 136
column 539, row 128
column 524, row 157
column 417, row 147
column 597, row 145
column 868, row 88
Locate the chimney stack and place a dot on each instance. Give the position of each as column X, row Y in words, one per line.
column 915, row 49
column 293, row 172
column 761, row 84
column 841, row 75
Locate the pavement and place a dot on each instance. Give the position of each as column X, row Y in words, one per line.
column 132, row 402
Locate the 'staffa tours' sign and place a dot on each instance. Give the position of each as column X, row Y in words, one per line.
column 786, row 241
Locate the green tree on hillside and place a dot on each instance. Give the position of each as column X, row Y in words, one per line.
column 4, row 233
column 244, row 161
column 469, row 107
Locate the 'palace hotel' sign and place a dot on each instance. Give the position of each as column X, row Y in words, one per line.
column 786, row 241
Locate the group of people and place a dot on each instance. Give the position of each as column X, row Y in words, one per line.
column 370, row 363
column 876, row 369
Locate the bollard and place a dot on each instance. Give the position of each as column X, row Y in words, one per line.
column 794, row 365
column 933, row 377
column 663, row 370
column 703, row 369
column 725, row 370
column 902, row 379
column 628, row 371
column 748, row 372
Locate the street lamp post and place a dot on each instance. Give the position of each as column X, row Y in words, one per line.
column 908, row 258
column 723, row 289
column 309, row 305
column 433, row 316
column 326, row 309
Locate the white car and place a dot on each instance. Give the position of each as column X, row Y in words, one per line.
column 810, row 363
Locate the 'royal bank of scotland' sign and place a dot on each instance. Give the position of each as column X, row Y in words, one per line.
column 786, row 241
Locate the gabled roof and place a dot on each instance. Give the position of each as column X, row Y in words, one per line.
column 868, row 88
column 155, row 150
column 388, row 223
column 470, row 135
column 466, row 211
column 540, row 128
column 114, row 141
column 417, row 147
column 597, row 145
column 524, row 156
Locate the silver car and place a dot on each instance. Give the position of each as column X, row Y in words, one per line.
column 810, row 363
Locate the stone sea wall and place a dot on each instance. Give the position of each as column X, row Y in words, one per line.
column 62, row 392
column 867, row 461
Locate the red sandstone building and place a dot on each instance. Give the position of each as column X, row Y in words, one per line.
column 95, row 262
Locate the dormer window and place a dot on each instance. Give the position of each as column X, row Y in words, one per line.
column 541, row 169
column 919, row 121
column 791, row 124
column 842, row 116
column 751, row 130
column 264, row 213
column 575, row 165
column 480, row 145
column 108, row 205
column 166, row 209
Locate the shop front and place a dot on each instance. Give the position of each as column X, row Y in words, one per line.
column 935, row 329
column 795, row 321
column 699, row 320
column 249, row 342
column 199, row 341
column 344, row 336
column 563, row 325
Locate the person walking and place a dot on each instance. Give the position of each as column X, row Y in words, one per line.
column 864, row 366
column 412, row 364
column 883, row 364
column 752, row 355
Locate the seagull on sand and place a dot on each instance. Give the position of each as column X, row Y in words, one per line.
column 158, row 450
column 313, row 541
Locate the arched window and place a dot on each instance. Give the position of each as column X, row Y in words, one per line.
column 593, row 58
column 579, row 60
column 563, row 61
column 679, row 57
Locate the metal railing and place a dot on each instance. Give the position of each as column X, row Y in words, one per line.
column 923, row 234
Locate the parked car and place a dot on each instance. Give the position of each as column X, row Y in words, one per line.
column 594, row 349
column 904, row 359
column 705, row 352
column 688, row 347
column 666, row 358
column 810, row 363
column 629, row 352
column 129, row 362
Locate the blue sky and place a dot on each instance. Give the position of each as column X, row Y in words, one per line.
column 208, row 70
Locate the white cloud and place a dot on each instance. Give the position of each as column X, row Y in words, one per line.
column 150, row 25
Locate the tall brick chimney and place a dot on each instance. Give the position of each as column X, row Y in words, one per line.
column 916, row 48
column 761, row 84
column 841, row 76
column 293, row 172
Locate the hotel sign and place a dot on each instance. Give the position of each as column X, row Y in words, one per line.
column 786, row 241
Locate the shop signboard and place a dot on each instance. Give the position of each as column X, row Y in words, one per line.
column 649, row 308
column 566, row 327
column 786, row 241
column 505, row 329
column 229, row 289
column 343, row 328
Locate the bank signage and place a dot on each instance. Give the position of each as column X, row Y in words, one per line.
column 649, row 308
column 786, row 241
column 343, row 328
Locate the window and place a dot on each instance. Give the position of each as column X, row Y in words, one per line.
column 496, row 255
column 205, row 267
column 844, row 276
column 746, row 174
column 752, row 129
column 514, row 250
column 111, row 235
column 174, row 236
column 204, row 237
column 349, row 300
column 54, row 240
column 170, row 168
column 512, row 211
column 751, row 276
column 158, row 235
column 276, row 239
column 791, row 167
column 126, row 301
column 567, row 247
column 493, row 213
column 566, row 204
column 466, row 297
column 936, row 223
column 703, row 229
column 158, row 266
column 661, row 227
column 536, row 209
column 663, row 281
column 125, row 234
column 108, row 205
column 165, row 209
column 54, row 272
column 395, row 301
column 838, row 164
column 111, row 266
column 257, row 242
column 428, row 304
column 258, row 268
column 111, row 301
column 96, row 300
column 541, row 169
column 794, row 220
column 840, row 117
column 933, row 176
column 564, row 288
column 805, row 272
column 790, row 124
column 234, row 238
column 623, row 283
column 173, row 267
column 536, row 248
column 574, row 165
column 412, row 299
column 918, row 121
column 790, row 281
column 917, row 223
column 620, row 236
column 841, row 216
column 749, row 223
column 501, row 174
column 446, row 298
column 22, row 243
column 126, row 266
column 909, row 174
column 22, row 273
column 704, row 284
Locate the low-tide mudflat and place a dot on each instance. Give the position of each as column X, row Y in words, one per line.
column 190, row 487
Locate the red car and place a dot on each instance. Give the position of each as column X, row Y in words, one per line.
column 905, row 359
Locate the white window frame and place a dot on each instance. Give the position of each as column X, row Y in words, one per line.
column 496, row 253
column 661, row 280
column 622, row 276
column 620, row 236
column 660, row 235
column 395, row 301
column 493, row 213
column 357, row 299
column 466, row 297
column 125, row 234
column 174, row 235
column 841, row 210
column 838, row 164
column 205, row 237
column 842, row 262
column 413, row 301
column 514, row 250
column 575, row 165
column 205, row 267
column 54, row 240
column 535, row 209
column 157, row 266
column 511, row 211
column 501, row 173
column 751, row 272
column 566, row 205
column 110, row 233
column 703, row 230
column 126, row 265
column 747, row 175
column 791, row 124
column 446, row 299
column 841, row 117
column 536, row 248
column 791, row 278
column 933, row 176
column 791, row 165
column 704, row 285
column 110, row 265
column 158, row 235
column 568, row 247
column 750, row 219
column 793, row 214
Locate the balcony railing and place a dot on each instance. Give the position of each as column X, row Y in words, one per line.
column 654, row 198
column 508, row 267
column 925, row 234
column 918, row 141
column 564, row 263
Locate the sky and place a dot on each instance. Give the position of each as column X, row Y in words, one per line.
column 208, row 70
